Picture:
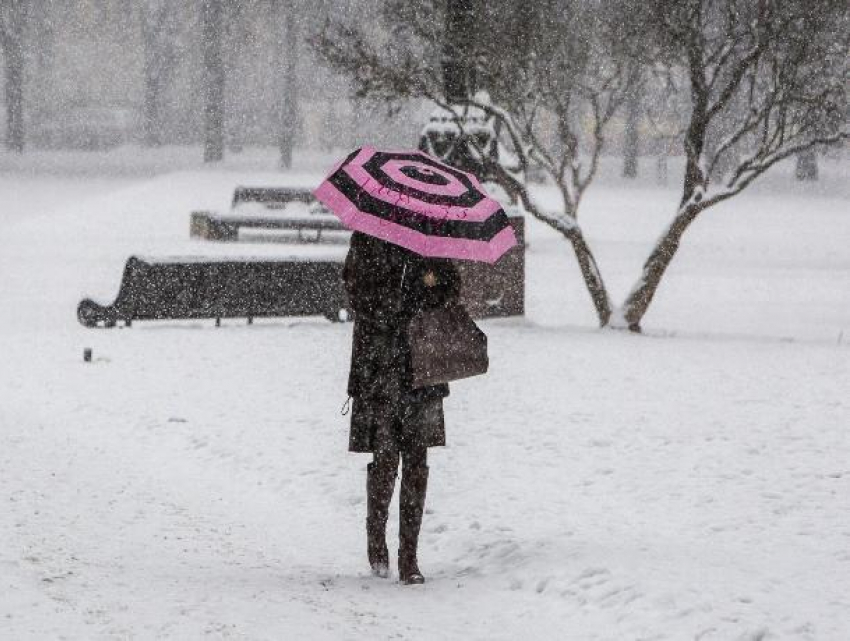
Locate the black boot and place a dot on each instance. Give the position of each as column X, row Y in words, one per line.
column 414, row 484
column 380, row 482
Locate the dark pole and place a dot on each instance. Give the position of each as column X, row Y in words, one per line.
column 212, row 18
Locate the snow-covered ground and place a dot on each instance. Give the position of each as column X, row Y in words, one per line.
column 693, row 483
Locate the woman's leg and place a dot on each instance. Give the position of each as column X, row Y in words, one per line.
column 380, row 483
column 414, row 484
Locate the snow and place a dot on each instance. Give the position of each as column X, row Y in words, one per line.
column 313, row 211
column 307, row 253
column 444, row 121
column 193, row 481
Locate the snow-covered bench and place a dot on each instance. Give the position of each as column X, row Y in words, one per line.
column 279, row 213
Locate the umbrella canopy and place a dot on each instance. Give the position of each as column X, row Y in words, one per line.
column 413, row 200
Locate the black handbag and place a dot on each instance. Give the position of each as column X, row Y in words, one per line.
column 445, row 345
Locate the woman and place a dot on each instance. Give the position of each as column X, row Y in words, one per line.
column 387, row 285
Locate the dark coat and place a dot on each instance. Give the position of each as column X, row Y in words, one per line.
column 386, row 288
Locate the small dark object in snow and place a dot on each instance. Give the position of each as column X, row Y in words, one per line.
column 87, row 354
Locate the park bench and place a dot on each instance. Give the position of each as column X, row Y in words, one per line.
column 279, row 210
column 217, row 287
column 203, row 288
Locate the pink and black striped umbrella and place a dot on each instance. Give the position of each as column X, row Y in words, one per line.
column 413, row 200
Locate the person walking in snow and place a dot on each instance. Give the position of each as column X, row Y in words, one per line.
column 387, row 285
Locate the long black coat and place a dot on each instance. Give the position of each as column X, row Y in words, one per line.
column 386, row 287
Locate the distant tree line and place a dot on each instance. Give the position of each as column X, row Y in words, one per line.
column 220, row 72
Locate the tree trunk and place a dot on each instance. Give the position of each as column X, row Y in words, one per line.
column 630, row 135
column 12, row 42
column 288, row 60
column 331, row 115
column 15, row 132
column 236, row 70
column 459, row 31
column 212, row 17
column 637, row 302
column 152, row 24
column 569, row 229
column 40, row 85
column 807, row 165
column 591, row 274
column 661, row 168
column 695, row 181
column 151, row 110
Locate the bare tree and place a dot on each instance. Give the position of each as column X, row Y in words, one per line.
column 13, row 14
column 539, row 96
column 42, row 60
column 768, row 74
column 288, row 47
column 237, row 42
column 212, row 20
column 159, row 29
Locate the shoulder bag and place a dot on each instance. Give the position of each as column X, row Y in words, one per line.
column 446, row 345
